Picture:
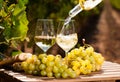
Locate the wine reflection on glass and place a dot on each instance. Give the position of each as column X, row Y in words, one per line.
column 44, row 34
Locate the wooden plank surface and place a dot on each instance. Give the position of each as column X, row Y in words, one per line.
column 109, row 71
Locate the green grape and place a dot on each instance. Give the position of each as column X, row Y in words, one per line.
column 41, row 56
column 32, row 59
column 37, row 67
column 55, row 69
column 35, row 72
column 82, row 69
column 98, row 67
column 50, row 57
column 42, row 66
column 58, row 57
column 43, row 73
column 58, row 63
column 44, row 60
column 49, row 69
column 69, row 71
column 92, row 60
column 31, row 67
column 50, row 63
column 99, row 59
column 81, row 49
column 57, row 75
column 89, row 50
column 29, row 72
column 75, row 63
column 24, row 65
column 77, row 71
column 74, row 68
column 37, row 62
column 78, row 59
column 93, row 67
column 64, row 75
column 73, row 74
column 89, row 71
column 64, row 67
column 89, row 66
column 86, row 71
column 76, row 52
column 83, row 63
column 71, row 55
column 49, row 74
column 29, row 60
column 61, row 70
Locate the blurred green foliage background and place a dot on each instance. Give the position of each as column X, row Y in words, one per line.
column 115, row 4
column 55, row 9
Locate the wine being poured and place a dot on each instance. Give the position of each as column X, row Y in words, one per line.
column 83, row 5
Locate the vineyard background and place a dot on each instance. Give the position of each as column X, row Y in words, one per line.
column 100, row 26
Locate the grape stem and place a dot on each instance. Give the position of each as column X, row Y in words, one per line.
column 84, row 44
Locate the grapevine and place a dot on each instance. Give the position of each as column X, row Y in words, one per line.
column 13, row 21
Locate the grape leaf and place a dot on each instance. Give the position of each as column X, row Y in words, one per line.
column 14, row 20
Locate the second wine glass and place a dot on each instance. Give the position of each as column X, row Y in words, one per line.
column 44, row 34
column 66, row 37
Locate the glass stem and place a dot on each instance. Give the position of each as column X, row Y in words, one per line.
column 66, row 59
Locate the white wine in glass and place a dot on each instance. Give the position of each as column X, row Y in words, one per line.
column 44, row 34
column 67, row 42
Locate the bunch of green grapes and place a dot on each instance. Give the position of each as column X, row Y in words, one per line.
column 48, row 65
column 84, row 60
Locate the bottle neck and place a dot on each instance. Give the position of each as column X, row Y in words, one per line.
column 77, row 9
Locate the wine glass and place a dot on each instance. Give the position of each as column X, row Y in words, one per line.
column 44, row 34
column 66, row 37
